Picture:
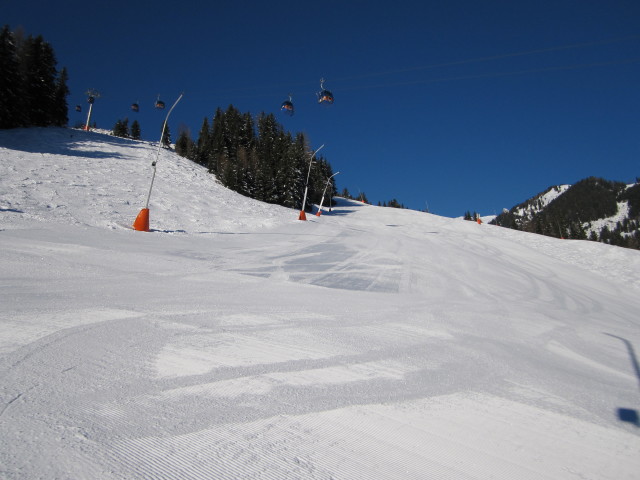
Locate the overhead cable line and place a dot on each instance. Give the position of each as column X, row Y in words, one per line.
column 497, row 74
column 492, row 57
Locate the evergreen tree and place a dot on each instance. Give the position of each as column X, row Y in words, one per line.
column 185, row 147
column 215, row 141
column 291, row 173
column 37, row 65
column 60, row 107
column 121, row 128
column 228, row 171
column 10, row 81
column 166, row 136
column 246, row 157
column 125, row 128
column 117, row 129
column 203, row 146
column 395, row 204
column 269, row 155
column 136, row 133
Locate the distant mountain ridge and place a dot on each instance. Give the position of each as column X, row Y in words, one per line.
column 592, row 209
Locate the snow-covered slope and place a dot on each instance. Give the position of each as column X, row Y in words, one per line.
column 236, row 342
column 540, row 201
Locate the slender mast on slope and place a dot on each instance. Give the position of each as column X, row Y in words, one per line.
column 302, row 215
column 323, row 192
column 142, row 221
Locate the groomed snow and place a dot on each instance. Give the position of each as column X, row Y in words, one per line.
column 236, row 342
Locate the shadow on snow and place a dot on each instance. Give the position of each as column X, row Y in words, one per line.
column 629, row 415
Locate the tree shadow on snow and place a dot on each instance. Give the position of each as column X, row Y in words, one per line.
column 62, row 141
column 336, row 212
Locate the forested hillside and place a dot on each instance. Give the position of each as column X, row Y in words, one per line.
column 258, row 158
column 594, row 209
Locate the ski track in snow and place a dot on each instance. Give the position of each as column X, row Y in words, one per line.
column 236, row 342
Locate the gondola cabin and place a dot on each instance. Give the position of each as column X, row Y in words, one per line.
column 135, row 107
column 325, row 96
column 159, row 104
column 78, row 108
column 287, row 108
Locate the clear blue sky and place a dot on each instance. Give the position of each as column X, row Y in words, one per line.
column 455, row 104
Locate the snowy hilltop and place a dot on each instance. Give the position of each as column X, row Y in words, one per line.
column 593, row 209
column 234, row 341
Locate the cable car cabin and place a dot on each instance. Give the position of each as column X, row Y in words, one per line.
column 91, row 99
column 78, row 108
column 325, row 96
column 159, row 104
column 135, row 107
column 287, row 108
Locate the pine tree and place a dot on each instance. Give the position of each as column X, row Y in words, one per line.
column 289, row 180
column 203, row 145
column 246, row 157
column 60, row 107
column 215, row 141
column 185, row 147
column 136, row 133
column 10, row 81
column 166, row 136
column 117, row 129
column 269, row 154
column 121, row 128
column 228, row 173
column 37, row 65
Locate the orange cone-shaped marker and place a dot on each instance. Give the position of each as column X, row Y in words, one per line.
column 318, row 213
column 142, row 221
column 302, row 215
column 479, row 221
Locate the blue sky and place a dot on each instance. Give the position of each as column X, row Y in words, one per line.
column 456, row 105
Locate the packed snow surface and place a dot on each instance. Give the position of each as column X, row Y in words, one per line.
column 234, row 341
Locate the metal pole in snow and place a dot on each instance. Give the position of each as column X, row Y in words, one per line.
column 91, row 97
column 306, row 187
column 323, row 192
column 164, row 127
column 86, row 127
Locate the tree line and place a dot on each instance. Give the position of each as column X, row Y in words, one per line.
column 122, row 129
column 33, row 93
column 258, row 158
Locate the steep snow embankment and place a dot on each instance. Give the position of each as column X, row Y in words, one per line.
column 87, row 178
